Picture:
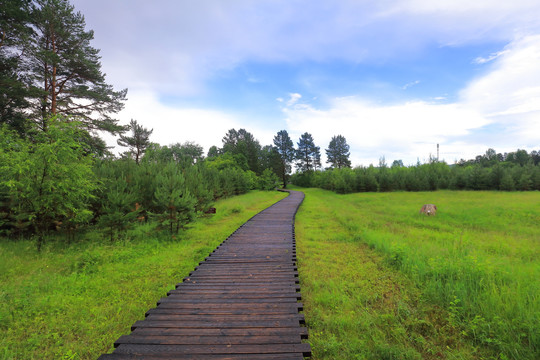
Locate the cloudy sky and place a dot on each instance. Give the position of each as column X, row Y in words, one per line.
column 395, row 77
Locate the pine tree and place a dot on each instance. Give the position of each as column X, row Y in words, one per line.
column 285, row 147
column 15, row 30
column 118, row 211
column 138, row 141
column 507, row 182
column 338, row 153
column 50, row 179
column 67, row 70
column 307, row 154
column 243, row 143
column 174, row 203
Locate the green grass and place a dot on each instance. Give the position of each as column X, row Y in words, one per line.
column 380, row 281
column 72, row 301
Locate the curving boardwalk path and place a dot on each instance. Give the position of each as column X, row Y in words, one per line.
column 242, row 302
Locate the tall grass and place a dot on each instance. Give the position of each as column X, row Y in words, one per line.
column 72, row 301
column 477, row 260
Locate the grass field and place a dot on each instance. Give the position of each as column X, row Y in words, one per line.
column 380, row 281
column 72, row 301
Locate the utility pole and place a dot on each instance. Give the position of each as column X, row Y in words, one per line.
column 437, row 152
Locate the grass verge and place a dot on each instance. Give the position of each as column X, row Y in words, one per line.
column 380, row 281
column 72, row 301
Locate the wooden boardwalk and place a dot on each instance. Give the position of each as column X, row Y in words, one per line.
column 242, row 302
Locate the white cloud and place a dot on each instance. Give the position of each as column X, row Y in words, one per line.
column 173, row 124
column 177, row 125
column 178, row 46
column 506, row 99
column 293, row 99
column 403, row 131
column 406, row 86
column 482, row 60
column 509, row 95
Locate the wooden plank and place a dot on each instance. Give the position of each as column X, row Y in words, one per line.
column 224, row 318
column 281, row 356
column 206, row 340
column 292, row 332
column 213, row 349
column 229, row 324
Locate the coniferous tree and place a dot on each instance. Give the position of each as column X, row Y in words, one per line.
column 507, row 182
column 138, row 141
column 285, row 148
column 243, row 143
column 173, row 201
column 15, row 31
column 119, row 210
column 307, row 154
column 50, row 179
column 67, row 70
column 338, row 152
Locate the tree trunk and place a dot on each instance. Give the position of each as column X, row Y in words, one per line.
column 53, row 80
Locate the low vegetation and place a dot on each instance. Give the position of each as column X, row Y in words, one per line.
column 72, row 301
column 381, row 281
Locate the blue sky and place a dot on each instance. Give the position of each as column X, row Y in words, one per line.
column 394, row 77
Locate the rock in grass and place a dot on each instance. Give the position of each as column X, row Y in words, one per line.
column 429, row 209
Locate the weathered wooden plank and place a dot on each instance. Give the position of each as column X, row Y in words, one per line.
column 206, row 340
column 281, row 356
column 223, row 311
column 216, row 324
column 292, row 332
column 224, row 318
column 213, row 349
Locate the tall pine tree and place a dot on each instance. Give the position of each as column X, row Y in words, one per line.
column 285, row 148
column 307, row 154
column 338, row 153
column 15, row 31
column 67, row 70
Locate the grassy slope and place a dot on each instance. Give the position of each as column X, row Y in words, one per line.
column 74, row 301
column 379, row 281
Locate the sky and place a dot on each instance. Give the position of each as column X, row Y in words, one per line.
column 394, row 77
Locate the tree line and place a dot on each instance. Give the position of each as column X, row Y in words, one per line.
column 517, row 170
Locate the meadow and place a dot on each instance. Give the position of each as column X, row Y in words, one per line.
column 73, row 300
column 381, row 281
